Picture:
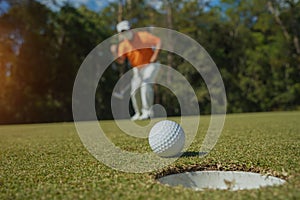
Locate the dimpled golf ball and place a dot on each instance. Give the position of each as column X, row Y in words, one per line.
column 166, row 138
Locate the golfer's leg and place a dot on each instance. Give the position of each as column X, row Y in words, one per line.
column 149, row 74
column 147, row 95
column 135, row 94
column 136, row 103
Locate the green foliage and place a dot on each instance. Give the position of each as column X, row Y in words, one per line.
column 52, row 46
column 255, row 48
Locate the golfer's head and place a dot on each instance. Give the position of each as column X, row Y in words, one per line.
column 123, row 27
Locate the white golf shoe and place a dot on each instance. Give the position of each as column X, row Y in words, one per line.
column 135, row 117
column 146, row 114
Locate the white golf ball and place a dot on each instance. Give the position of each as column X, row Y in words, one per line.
column 166, row 138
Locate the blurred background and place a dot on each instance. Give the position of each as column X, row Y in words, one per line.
column 254, row 43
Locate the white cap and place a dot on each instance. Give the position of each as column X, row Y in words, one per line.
column 123, row 26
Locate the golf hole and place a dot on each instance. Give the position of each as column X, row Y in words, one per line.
column 221, row 180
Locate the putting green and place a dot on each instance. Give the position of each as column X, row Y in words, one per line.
column 48, row 161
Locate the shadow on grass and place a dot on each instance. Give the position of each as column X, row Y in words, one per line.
column 193, row 154
column 188, row 154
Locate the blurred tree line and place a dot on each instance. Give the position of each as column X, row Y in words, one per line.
column 254, row 43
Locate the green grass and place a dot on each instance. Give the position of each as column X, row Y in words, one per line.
column 48, row 161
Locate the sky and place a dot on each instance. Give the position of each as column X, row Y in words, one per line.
column 3, row 7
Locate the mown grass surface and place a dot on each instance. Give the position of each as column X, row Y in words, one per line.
column 48, row 161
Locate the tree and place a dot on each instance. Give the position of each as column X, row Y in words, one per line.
column 46, row 51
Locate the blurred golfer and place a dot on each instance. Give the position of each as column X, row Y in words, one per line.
column 142, row 59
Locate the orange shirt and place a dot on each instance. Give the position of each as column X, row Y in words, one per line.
column 139, row 49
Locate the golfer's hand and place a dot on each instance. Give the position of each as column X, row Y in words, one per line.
column 113, row 49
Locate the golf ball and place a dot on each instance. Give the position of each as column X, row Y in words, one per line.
column 166, row 138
